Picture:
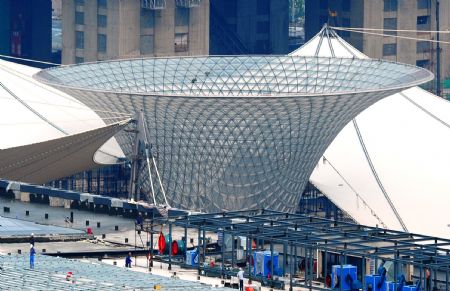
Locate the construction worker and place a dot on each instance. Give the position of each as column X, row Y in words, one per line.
column 128, row 261
column 32, row 255
column 240, row 276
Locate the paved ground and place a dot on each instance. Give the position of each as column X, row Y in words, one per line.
column 18, row 227
column 114, row 240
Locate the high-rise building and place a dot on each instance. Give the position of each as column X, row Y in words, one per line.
column 25, row 29
column 249, row 27
column 387, row 15
column 57, row 8
column 110, row 29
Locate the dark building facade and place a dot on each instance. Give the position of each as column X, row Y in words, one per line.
column 25, row 29
column 387, row 16
column 249, row 27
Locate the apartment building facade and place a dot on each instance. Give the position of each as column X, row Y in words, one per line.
column 387, row 15
column 95, row 30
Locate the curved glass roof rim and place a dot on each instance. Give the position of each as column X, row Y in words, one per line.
column 186, row 95
column 265, row 96
column 354, row 59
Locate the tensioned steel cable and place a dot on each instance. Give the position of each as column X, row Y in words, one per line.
column 31, row 109
column 356, row 193
column 390, row 35
column 377, row 178
column 426, row 111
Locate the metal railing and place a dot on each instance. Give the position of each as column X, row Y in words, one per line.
column 188, row 3
column 153, row 4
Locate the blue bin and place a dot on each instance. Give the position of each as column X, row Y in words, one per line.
column 262, row 263
column 390, row 286
column 192, row 258
column 373, row 280
column 409, row 288
column 337, row 274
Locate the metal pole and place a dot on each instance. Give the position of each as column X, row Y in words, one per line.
column 446, row 279
column 295, row 260
column 223, row 253
column 311, row 267
column 326, row 266
column 151, row 241
column 233, row 249
column 170, row 246
column 438, row 53
column 306, row 267
column 249, row 256
column 135, row 247
column 198, row 250
column 420, row 274
column 291, row 268
column 148, row 258
column 396, row 270
column 185, row 239
column 363, row 273
column 204, row 245
column 340, row 271
column 271, row 262
column 284, row 258
column 436, row 259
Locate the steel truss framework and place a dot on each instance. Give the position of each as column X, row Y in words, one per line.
column 235, row 132
column 307, row 234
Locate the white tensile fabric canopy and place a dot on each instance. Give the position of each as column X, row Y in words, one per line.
column 32, row 113
column 391, row 165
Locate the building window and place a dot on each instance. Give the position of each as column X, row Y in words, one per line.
column 263, row 7
column 346, row 5
column 423, row 22
column 390, row 5
column 79, row 39
column 181, row 42
column 423, row 47
column 79, row 60
column 323, row 4
column 79, row 18
column 181, row 16
column 102, row 3
column 79, row 2
column 390, row 24
column 423, row 4
column 102, row 20
column 389, row 49
column 262, row 27
column 147, row 44
column 147, row 18
column 101, row 43
column 423, row 63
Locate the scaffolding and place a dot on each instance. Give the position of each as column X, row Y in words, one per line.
column 305, row 245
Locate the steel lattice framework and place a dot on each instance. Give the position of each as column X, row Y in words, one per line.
column 236, row 132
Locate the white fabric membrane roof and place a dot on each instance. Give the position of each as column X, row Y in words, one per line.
column 33, row 112
column 391, row 165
